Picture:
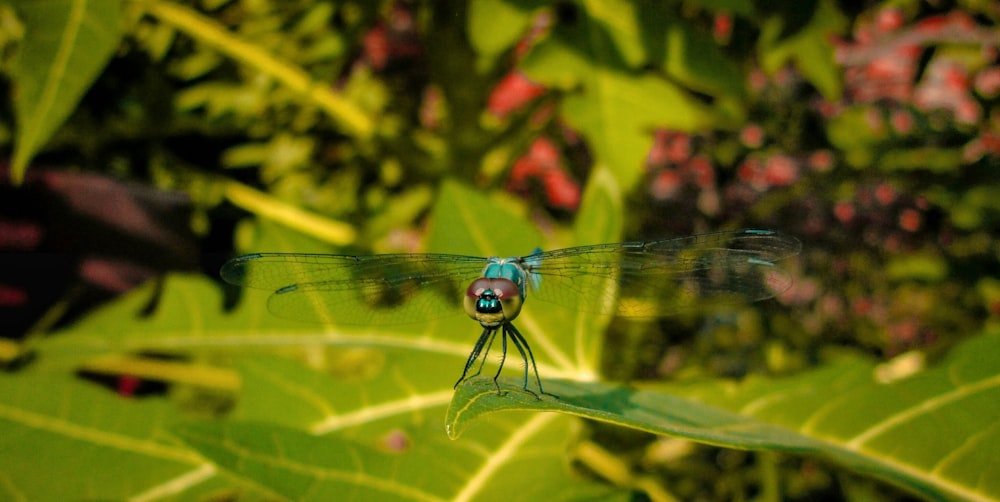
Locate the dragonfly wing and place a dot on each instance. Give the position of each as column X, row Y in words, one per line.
column 660, row 277
column 344, row 289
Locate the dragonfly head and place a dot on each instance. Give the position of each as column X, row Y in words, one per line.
column 493, row 301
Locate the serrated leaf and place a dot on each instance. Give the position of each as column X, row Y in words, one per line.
column 379, row 436
column 365, row 389
column 934, row 432
column 57, row 427
column 189, row 314
column 66, row 45
column 378, row 404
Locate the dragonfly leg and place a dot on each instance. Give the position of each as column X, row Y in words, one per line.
column 522, row 346
column 503, row 357
column 486, row 354
column 485, row 339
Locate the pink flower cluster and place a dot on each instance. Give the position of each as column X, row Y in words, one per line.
column 542, row 165
column 882, row 64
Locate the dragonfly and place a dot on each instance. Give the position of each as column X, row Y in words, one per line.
column 655, row 278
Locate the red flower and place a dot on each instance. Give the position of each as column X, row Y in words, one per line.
column 375, row 46
column 844, row 211
column 889, row 20
column 752, row 136
column 780, row 171
column 885, row 194
column 20, row 236
column 12, row 297
column 701, row 170
column 902, row 121
column 910, row 220
column 987, row 82
column 723, row 27
column 666, row 185
column 563, row 192
column 821, row 160
column 541, row 163
column 512, row 93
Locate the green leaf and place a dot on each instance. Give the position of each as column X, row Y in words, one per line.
column 368, row 419
column 565, row 341
column 379, row 435
column 601, row 219
column 618, row 114
column 365, row 389
column 519, row 458
column 496, row 25
column 695, row 60
column 809, row 48
column 66, row 45
column 601, row 216
column 917, row 266
column 620, row 21
column 353, row 119
column 58, row 428
column 932, row 432
column 188, row 314
column 467, row 222
column 928, row 159
column 616, row 107
column 645, row 410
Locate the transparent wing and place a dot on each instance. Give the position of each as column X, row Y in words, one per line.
column 660, row 277
column 653, row 278
column 344, row 289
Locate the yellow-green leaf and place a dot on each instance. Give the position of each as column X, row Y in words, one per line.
column 66, row 45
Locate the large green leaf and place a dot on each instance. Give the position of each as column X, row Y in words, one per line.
column 66, row 44
column 309, row 436
column 372, row 421
column 97, row 445
column 934, row 432
column 368, row 422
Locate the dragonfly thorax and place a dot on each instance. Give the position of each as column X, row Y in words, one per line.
column 493, row 302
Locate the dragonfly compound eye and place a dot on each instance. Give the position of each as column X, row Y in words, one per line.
column 493, row 301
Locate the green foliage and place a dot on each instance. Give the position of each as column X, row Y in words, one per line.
column 378, row 407
column 67, row 45
column 808, row 46
column 594, row 57
column 355, row 126
column 850, row 412
column 372, row 422
column 74, row 426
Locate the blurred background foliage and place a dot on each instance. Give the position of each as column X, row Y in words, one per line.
column 870, row 130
